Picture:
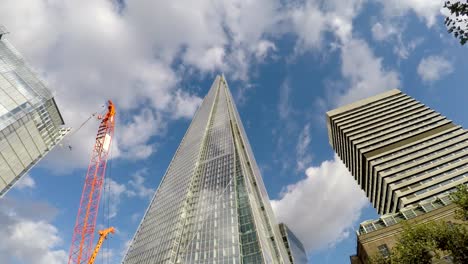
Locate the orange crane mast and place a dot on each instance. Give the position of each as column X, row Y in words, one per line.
column 102, row 236
column 83, row 232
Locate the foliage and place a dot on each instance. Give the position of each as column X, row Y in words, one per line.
column 426, row 242
column 379, row 259
column 457, row 22
column 453, row 238
column 460, row 197
column 417, row 244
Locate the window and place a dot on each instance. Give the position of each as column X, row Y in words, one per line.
column 383, row 249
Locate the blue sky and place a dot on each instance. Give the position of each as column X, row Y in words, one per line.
column 286, row 63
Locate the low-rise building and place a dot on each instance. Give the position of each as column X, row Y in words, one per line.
column 381, row 235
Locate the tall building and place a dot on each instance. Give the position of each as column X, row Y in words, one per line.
column 399, row 151
column 30, row 122
column 406, row 157
column 296, row 250
column 211, row 206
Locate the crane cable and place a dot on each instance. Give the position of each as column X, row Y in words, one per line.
column 82, row 125
column 106, row 213
column 108, row 202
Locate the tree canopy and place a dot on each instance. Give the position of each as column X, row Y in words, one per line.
column 457, row 21
column 426, row 242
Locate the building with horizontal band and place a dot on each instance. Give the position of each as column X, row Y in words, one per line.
column 399, row 151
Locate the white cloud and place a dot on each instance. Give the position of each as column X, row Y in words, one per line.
column 315, row 208
column 403, row 50
column 137, row 185
column 107, row 254
column 135, row 217
column 28, row 237
column 92, row 50
column 303, row 156
column 115, row 192
column 312, row 19
column 135, row 135
column 26, row 182
column 263, row 47
column 433, row 68
column 364, row 72
column 309, row 23
column 185, row 105
column 284, row 108
column 392, row 32
column 383, row 31
column 428, row 10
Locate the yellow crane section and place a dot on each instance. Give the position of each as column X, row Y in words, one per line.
column 102, row 236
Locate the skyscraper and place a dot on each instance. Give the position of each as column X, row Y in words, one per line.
column 211, row 206
column 400, row 152
column 30, row 122
column 296, row 251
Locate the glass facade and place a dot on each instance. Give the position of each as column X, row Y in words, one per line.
column 296, row 251
column 211, row 206
column 30, row 122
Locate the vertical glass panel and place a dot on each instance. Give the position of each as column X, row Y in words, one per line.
column 6, row 173
column 11, row 158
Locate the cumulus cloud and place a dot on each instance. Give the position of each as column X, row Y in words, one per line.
column 116, row 191
column 314, row 18
column 137, row 185
column 392, row 32
column 427, row 10
column 365, row 73
column 382, row 31
column 323, row 208
column 27, row 234
column 137, row 132
column 26, row 182
column 94, row 50
column 360, row 67
column 263, row 47
column 433, row 68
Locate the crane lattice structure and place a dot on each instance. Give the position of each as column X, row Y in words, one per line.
column 83, row 233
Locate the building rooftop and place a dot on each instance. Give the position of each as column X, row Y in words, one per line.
column 424, row 207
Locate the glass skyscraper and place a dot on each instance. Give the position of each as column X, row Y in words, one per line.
column 296, row 251
column 30, row 122
column 211, row 206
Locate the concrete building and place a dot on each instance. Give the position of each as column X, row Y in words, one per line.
column 211, row 206
column 406, row 157
column 30, row 122
column 400, row 151
column 380, row 235
column 296, row 251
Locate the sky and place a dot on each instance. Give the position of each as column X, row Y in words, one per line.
column 286, row 62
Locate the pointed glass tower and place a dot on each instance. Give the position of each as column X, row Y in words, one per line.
column 211, row 205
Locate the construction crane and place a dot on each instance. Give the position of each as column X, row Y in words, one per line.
column 102, row 236
column 83, row 232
